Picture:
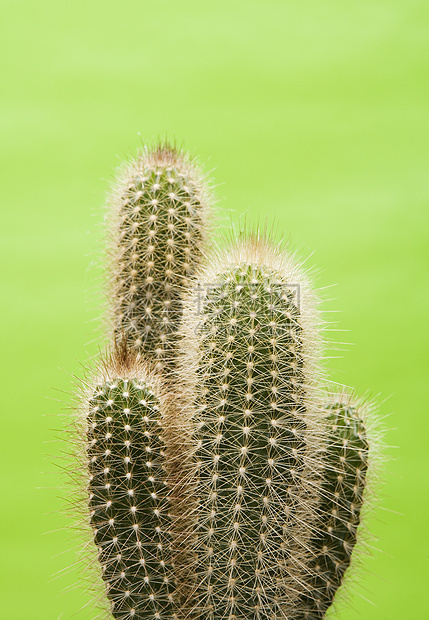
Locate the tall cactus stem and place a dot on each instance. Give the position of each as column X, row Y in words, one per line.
column 254, row 346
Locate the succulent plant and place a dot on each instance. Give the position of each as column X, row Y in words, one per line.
column 260, row 432
column 128, row 493
column 159, row 213
column 340, row 504
column 139, row 483
column 224, row 482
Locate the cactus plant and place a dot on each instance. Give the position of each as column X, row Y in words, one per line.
column 260, row 432
column 128, row 492
column 223, row 483
column 140, row 488
column 159, row 215
column 342, row 491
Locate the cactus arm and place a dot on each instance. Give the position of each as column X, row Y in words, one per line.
column 342, row 493
column 128, row 498
column 256, row 427
column 159, row 217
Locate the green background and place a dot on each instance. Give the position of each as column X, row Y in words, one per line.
column 311, row 113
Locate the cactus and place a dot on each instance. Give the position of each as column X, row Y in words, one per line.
column 159, row 217
column 128, row 495
column 139, row 488
column 221, row 486
column 260, row 434
column 346, row 465
column 141, row 508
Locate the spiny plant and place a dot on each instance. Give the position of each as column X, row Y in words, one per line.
column 137, row 460
column 340, row 505
column 280, row 475
column 128, row 493
column 159, row 226
column 138, row 484
column 260, row 432
column 223, row 481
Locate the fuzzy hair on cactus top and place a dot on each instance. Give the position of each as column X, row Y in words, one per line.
column 224, row 481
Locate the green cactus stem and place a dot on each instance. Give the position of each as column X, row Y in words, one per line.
column 260, row 434
column 138, row 479
column 159, row 212
column 342, row 493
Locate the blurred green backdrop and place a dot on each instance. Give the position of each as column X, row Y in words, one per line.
column 312, row 113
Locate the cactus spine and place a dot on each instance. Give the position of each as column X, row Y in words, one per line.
column 221, row 486
column 159, row 213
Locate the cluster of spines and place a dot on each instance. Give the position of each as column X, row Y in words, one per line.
column 128, row 498
column 342, row 494
column 257, row 444
column 158, row 237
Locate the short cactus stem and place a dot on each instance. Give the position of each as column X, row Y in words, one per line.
column 132, row 504
column 159, row 215
column 342, row 493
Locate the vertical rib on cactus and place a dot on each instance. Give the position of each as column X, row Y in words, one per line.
column 158, row 235
column 260, row 434
column 136, row 487
column 344, row 480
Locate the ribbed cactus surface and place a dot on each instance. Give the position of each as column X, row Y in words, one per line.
column 341, row 498
column 128, row 498
column 257, row 432
column 159, row 216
